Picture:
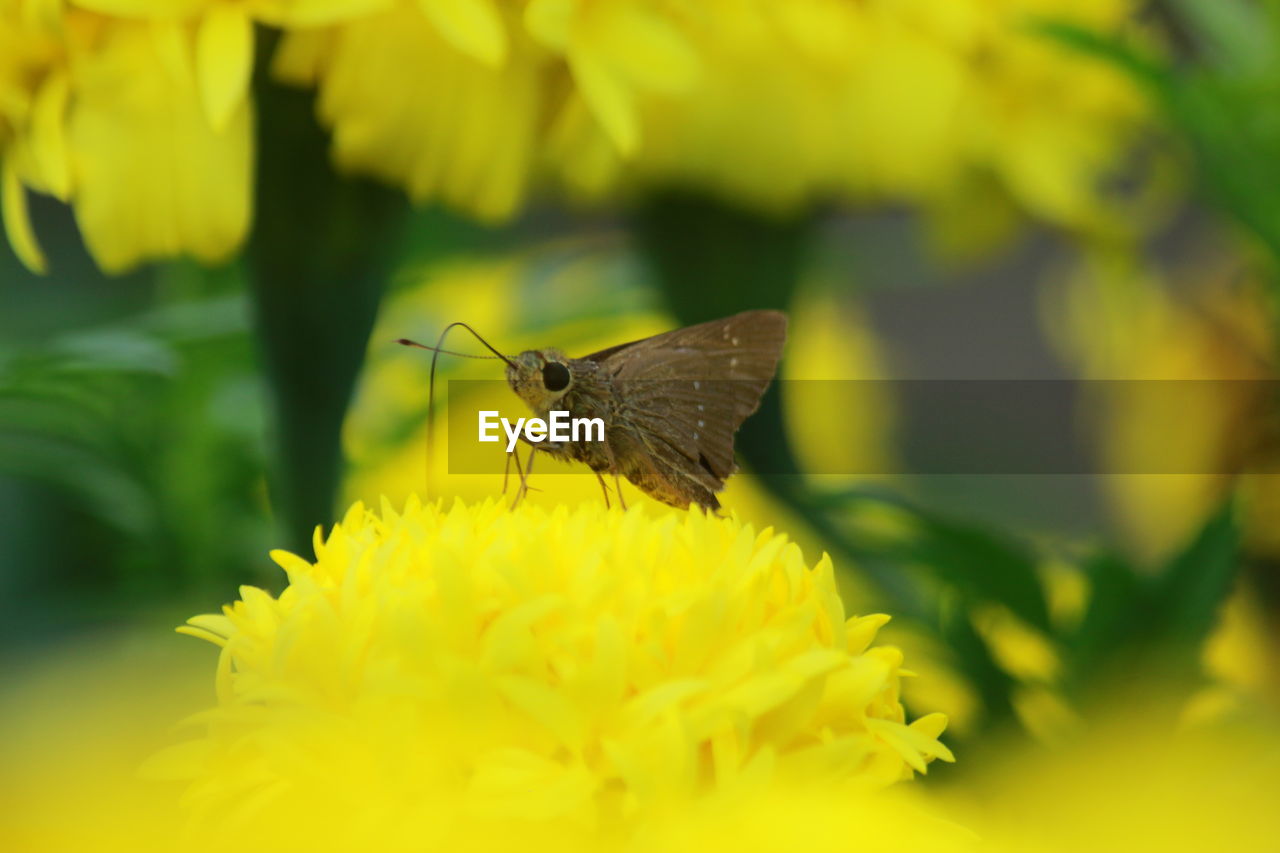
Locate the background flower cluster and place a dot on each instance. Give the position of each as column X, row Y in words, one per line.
column 141, row 114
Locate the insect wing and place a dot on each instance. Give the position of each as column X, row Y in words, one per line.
column 693, row 387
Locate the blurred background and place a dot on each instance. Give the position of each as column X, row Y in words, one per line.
column 221, row 215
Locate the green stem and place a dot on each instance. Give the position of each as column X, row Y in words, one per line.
column 318, row 263
column 712, row 260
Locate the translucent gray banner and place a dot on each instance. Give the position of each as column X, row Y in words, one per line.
column 940, row 426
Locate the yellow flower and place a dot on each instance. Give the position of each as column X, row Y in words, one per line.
column 139, row 115
column 1129, row 784
column 436, row 673
column 931, row 103
column 1241, row 658
column 108, row 114
column 34, row 85
column 153, row 177
column 223, row 36
column 1018, row 649
column 75, row 727
column 1188, row 392
column 617, row 52
column 771, row 103
column 409, row 106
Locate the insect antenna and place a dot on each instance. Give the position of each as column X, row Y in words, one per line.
column 431, row 381
column 408, row 343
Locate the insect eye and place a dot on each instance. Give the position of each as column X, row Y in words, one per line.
column 555, row 376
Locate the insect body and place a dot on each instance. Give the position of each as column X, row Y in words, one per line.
column 671, row 403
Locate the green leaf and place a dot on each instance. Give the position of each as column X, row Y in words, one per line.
column 1117, row 613
column 1223, row 103
column 980, row 564
column 983, row 565
column 1236, row 36
column 1144, row 68
column 107, row 489
column 1196, row 581
column 1136, row 620
column 974, row 659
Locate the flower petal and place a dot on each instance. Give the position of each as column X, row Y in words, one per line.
column 299, row 55
column 143, row 10
column 642, row 46
column 550, row 22
column 17, row 222
column 48, row 136
column 464, row 133
column 224, row 59
column 609, row 99
column 153, row 178
column 472, row 26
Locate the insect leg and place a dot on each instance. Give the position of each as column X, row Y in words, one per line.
column 604, row 489
column 525, row 488
column 519, row 473
column 528, row 472
column 613, row 466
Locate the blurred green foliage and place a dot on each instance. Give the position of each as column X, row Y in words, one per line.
column 150, row 429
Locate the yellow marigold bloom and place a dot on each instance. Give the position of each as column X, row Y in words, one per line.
column 926, row 102
column 138, row 114
column 1241, row 658
column 34, row 84
column 771, row 103
column 409, row 105
column 1118, row 321
column 447, row 674
column 1128, row 783
column 222, row 49
column 112, row 115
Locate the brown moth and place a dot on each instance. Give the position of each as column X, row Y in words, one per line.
column 671, row 404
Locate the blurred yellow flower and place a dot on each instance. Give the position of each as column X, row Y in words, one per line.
column 222, row 51
column 1242, row 660
column 834, row 365
column 75, row 726
column 441, row 674
column 139, row 114
column 110, row 115
column 1017, row 648
column 1115, row 320
column 925, row 102
column 771, row 103
column 34, row 86
column 939, row 683
column 1122, row 325
column 1129, row 784
column 410, row 106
